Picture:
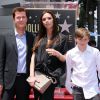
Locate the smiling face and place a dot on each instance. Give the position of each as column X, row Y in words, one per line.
column 20, row 20
column 47, row 21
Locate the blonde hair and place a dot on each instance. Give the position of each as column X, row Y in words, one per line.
column 81, row 32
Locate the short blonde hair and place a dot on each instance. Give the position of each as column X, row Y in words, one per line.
column 81, row 32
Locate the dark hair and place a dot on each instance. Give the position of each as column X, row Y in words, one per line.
column 19, row 9
column 43, row 32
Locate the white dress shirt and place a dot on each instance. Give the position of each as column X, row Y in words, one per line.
column 82, row 70
column 22, row 49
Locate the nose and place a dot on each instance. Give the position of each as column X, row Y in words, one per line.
column 21, row 18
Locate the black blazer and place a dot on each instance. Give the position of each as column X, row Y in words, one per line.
column 9, row 57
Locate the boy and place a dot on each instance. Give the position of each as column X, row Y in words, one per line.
column 83, row 61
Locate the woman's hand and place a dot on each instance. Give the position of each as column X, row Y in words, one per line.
column 31, row 80
column 53, row 52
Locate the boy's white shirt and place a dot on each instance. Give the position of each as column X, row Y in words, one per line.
column 84, row 72
column 99, row 80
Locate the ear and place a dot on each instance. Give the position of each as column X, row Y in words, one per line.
column 75, row 40
column 88, row 39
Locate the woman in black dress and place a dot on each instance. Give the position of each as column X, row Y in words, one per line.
column 41, row 60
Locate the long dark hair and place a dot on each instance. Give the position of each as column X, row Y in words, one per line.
column 43, row 32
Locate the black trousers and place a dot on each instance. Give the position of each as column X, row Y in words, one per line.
column 47, row 95
column 78, row 94
column 20, row 88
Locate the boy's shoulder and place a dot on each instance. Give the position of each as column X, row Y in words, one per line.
column 89, row 48
column 93, row 49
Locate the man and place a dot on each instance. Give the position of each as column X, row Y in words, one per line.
column 15, row 55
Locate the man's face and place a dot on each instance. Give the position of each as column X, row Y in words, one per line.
column 20, row 19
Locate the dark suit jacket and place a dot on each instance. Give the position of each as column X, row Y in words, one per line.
column 9, row 57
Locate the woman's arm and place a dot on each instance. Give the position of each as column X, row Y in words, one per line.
column 56, row 53
column 31, row 79
column 32, row 65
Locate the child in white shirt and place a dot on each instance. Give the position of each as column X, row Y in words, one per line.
column 83, row 61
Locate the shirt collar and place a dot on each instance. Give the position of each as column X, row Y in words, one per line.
column 17, row 34
column 88, row 49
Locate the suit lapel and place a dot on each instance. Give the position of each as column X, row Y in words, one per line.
column 13, row 39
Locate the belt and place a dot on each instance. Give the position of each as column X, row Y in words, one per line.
column 21, row 74
column 77, row 87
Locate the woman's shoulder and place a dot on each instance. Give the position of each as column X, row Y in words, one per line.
column 62, row 36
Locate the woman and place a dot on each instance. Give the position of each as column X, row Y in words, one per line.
column 43, row 61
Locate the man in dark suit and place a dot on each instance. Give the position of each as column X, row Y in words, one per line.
column 15, row 55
